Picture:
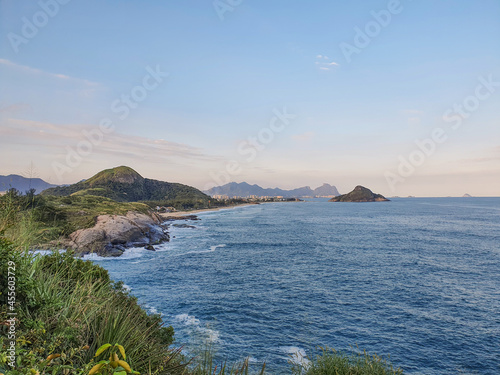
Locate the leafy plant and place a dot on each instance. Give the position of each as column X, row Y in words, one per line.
column 113, row 365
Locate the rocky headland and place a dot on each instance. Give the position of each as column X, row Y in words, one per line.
column 112, row 234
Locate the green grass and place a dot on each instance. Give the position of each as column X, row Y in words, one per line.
column 205, row 364
column 80, row 211
column 35, row 220
column 70, row 307
column 332, row 362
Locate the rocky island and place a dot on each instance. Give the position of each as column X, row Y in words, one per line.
column 360, row 194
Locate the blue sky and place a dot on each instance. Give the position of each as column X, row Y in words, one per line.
column 355, row 118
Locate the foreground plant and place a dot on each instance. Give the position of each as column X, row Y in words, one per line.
column 114, row 365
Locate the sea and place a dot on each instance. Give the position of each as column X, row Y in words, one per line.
column 415, row 280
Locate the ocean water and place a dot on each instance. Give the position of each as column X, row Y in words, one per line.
column 416, row 278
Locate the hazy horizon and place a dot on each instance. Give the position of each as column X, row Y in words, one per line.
column 399, row 96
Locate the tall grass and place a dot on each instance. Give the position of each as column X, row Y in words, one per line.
column 332, row 362
column 205, row 364
column 69, row 306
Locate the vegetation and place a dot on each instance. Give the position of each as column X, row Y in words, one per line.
column 70, row 307
column 38, row 219
column 123, row 184
column 331, row 362
column 68, row 310
column 359, row 194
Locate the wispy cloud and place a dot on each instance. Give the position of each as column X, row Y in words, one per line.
column 34, row 71
column 58, row 137
column 324, row 62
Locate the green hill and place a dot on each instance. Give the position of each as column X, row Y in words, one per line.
column 123, row 184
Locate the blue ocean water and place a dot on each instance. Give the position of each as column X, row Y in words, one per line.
column 415, row 278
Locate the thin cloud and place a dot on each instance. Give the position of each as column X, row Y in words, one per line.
column 29, row 70
column 58, row 137
column 324, row 63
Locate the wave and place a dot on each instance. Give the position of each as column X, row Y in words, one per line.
column 127, row 288
column 295, row 355
column 207, row 334
column 151, row 309
column 131, row 253
column 46, row 252
column 212, row 249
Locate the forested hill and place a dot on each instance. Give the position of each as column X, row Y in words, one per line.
column 123, row 184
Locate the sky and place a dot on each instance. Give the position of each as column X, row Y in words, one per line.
column 402, row 97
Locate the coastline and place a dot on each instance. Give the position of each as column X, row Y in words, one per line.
column 180, row 214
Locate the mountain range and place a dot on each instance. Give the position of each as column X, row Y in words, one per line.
column 244, row 189
column 123, row 184
column 23, row 184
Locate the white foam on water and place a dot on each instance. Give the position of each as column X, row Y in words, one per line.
column 296, row 355
column 46, row 252
column 194, row 324
column 211, row 250
column 126, row 287
column 187, row 320
column 151, row 309
column 132, row 253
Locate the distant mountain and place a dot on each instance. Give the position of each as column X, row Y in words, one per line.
column 360, row 194
column 23, row 184
column 123, row 184
column 243, row 189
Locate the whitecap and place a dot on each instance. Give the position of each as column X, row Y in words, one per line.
column 206, row 333
column 126, row 287
column 46, row 252
column 211, row 250
column 151, row 309
column 296, row 355
column 187, row 319
column 132, row 253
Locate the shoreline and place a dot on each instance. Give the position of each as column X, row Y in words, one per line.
column 180, row 214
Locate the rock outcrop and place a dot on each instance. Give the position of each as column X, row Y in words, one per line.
column 360, row 194
column 112, row 234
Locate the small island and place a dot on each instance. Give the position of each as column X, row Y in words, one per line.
column 360, row 194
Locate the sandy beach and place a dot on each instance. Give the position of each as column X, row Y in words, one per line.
column 176, row 214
